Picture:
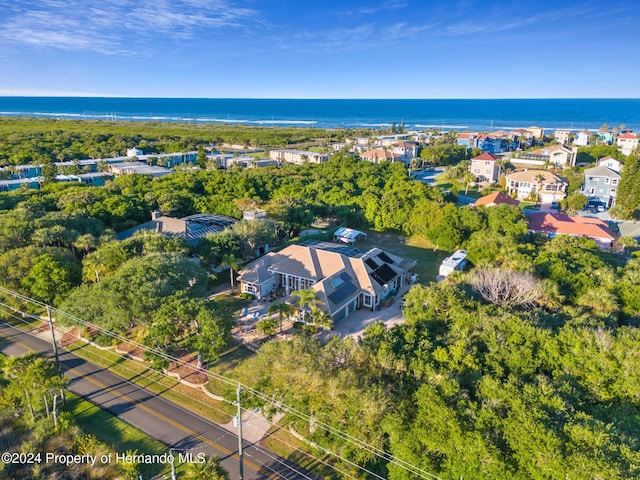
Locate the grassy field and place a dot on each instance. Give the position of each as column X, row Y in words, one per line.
column 225, row 366
column 422, row 250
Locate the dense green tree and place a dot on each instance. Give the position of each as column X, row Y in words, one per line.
column 52, row 276
column 135, row 290
column 574, row 202
column 628, row 196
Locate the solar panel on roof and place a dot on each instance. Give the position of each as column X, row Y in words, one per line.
column 342, row 293
column 352, row 252
column 371, row 262
column 345, row 276
column 383, row 275
column 384, row 257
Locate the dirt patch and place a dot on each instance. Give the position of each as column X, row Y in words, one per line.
column 132, row 350
column 187, row 368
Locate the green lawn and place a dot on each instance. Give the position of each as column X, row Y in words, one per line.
column 225, row 366
column 422, row 250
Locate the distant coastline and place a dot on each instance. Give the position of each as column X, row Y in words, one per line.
column 469, row 114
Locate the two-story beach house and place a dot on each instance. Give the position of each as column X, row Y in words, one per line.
column 378, row 155
column 297, row 157
column 559, row 156
column 601, row 183
column 485, row 167
column 539, row 184
column 610, row 162
column 562, row 136
column 628, row 142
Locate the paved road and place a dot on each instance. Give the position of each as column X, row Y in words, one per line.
column 159, row 418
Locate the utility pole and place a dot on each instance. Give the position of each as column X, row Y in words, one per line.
column 240, row 455
column 53, row 336
column 173, row 465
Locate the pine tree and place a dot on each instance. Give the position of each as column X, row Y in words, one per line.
column 628, row 196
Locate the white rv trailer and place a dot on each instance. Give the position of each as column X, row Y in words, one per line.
column 456, row 261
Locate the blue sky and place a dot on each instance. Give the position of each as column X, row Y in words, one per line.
column 321, row 49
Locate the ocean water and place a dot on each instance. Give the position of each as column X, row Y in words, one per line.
column 576, row 114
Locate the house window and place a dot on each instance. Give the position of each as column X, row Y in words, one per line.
column 366, row 300
column 612, row 192
column 476, row 170
column 591, row 190
column 607, row 180
column 486, row 164
column 614, row 181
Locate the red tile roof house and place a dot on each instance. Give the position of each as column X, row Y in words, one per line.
column 496, row 198
column 562, row 224
column 628, row 142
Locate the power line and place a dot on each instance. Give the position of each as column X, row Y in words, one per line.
column 328, row 428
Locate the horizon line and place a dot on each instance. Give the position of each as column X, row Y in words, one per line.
column 112, row 96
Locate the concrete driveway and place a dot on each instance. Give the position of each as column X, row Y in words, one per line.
column 355, row 323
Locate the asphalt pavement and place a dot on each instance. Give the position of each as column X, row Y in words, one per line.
column 176, row 427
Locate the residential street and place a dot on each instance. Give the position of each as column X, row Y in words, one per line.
column 159, row 418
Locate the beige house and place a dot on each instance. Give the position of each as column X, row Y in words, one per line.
column 343, row 278
column 537, row 132
column 559, row 156
column 628, row 142
column 562, row 136
column 541, row 184
column 406, row 150
column 297, row 157
column 380, row 155
column 485, row 168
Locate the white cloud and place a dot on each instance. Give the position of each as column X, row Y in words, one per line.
column 373, row 9
column 114, row 26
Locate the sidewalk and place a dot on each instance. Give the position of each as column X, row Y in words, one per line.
column 254, row 425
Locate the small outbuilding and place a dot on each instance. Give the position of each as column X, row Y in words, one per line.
column 348, row 235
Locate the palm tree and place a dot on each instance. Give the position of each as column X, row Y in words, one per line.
column 208, row 470
column 321, row 318
column 540, row 179
column 601, row 301
column 306, row 299
column 468, row 177
column 282, row 309
column 230, row 260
